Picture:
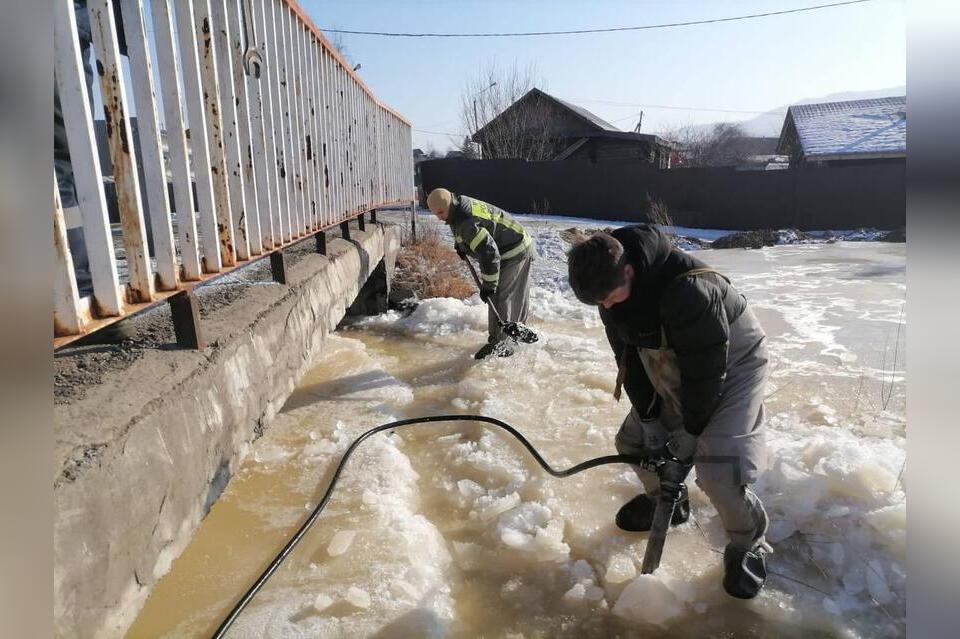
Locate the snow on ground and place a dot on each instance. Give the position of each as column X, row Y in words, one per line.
column 452, row 530
column 589, row 223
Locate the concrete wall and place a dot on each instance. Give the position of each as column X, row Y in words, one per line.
column 144, row 454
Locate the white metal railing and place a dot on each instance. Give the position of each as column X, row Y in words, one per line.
column 271, row 159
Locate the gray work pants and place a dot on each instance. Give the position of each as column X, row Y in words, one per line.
column 512, row 296
column 730, row 453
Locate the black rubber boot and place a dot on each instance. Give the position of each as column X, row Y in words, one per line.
column 637, row 514
column 745, row 572
column 500, row 349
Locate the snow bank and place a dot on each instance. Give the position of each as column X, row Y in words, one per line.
column 436, row 317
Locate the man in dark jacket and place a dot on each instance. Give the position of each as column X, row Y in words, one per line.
column 692, row 358
column 504, row 251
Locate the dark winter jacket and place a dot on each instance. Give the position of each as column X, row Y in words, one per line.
column 672, row 299
column 488, row 233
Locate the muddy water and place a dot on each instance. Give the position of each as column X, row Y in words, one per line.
column 451, row 530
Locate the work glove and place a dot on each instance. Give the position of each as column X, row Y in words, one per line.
column 460, row 252
column 672, row 474
column 486, row 293
column 682, row 445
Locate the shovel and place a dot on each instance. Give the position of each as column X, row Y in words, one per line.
column 514, row 330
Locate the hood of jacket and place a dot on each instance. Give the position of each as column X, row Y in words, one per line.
column 656, row 263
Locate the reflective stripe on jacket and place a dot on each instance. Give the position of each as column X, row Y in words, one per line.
column 488, row 233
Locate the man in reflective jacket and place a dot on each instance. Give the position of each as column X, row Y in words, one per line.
column 504, row 251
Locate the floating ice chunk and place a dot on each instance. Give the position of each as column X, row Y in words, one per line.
column 620, row 568
column 858, row 473
column 460, row 404
column 341, row 542
column 581, row 570
column 594, row 593
column 647, row 599
column 575, row 595
column 527, row 518
column 357, row 597
column 321, row 448
column 269, row 454
column 520, row 593
column 583, row 592
column 877, row 583
column 322, row 602
column 890, row 523
column 489, row 507
column 470, row 489
column 530, row 527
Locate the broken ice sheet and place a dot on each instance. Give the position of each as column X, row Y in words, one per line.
column 341, row 542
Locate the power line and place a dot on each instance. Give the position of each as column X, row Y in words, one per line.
column 676, row 108
column 644, row 27
column 437, row 132
column 629, row 117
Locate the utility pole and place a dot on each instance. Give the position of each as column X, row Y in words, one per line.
column 636, row 129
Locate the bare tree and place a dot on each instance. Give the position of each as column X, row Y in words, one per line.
column 521, row 133
column 468, row 148
column 724, row 144
column 336, row 39
column 431, row 153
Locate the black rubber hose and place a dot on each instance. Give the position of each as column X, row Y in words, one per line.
column 262, row 579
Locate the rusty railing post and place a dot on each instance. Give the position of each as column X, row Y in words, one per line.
column 345, row 229
column 278, row 267
column 361, row 222
column 185, row 311
column 321, row 238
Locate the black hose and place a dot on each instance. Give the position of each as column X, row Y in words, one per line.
column 262, row 579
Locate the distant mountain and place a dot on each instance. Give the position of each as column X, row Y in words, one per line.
column 769, row 124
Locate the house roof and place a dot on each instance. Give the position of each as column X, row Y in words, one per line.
column 594, row 126
column 590, row 118
column 590, row 121
column 856, row 128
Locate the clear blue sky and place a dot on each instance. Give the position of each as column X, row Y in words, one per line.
column 752, row 65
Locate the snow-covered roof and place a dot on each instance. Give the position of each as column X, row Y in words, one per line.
column 874, row 128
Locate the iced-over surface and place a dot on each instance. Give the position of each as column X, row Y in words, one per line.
column 453, row 531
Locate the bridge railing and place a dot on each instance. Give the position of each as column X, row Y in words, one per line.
column 252, row 132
